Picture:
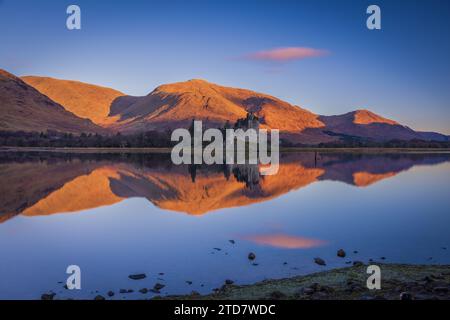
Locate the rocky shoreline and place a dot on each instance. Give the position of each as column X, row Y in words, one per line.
column 398, row 282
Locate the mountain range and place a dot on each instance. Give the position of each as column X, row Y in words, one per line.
column 38, row 104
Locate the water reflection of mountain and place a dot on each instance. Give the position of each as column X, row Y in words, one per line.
column 43, row 183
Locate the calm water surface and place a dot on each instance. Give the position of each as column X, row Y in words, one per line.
column 116, row 215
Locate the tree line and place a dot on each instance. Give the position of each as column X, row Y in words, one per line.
column 149, row 139
column 156, row 139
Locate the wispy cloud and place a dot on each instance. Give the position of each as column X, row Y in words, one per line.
column 286, row 54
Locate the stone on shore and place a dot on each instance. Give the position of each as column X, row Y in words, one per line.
column 406, row 296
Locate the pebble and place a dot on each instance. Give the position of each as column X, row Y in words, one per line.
column 276, row 295
column 308, row 291
column 440, row 289
column 405, row 296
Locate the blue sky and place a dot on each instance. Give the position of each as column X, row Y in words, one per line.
column 401, row 72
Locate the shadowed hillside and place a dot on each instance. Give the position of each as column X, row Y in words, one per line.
column 84, row 100
column 23, row 108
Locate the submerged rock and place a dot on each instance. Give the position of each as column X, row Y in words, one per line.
column 126, row 290
column 251, row 256
column 48, row 296
column 320, row 261
column 110, row 293
column 138, row 276
column 143, row 290
column 341, row 253
column 158, row 286
column 232, row 241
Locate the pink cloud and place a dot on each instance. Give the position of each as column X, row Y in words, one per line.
column 285, row 241
column 286, row 54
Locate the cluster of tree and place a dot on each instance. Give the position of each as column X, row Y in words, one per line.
column 348, row 141
column 147, row 139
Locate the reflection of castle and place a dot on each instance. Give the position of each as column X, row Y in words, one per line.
column 76, row 182
column 248, row 173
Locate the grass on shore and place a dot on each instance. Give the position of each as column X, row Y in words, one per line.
column 418, row 281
